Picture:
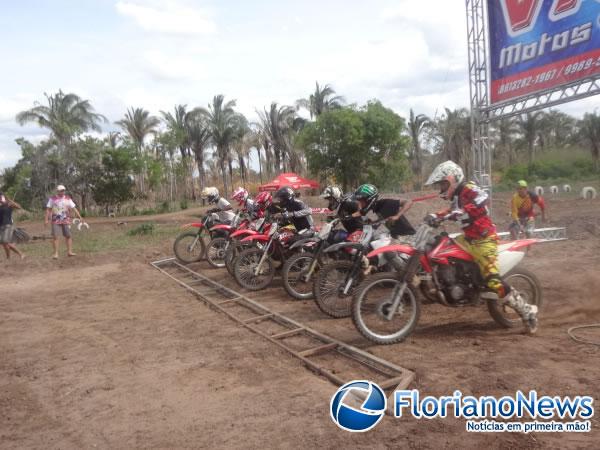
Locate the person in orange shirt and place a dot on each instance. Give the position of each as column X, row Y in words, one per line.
column 522, row 212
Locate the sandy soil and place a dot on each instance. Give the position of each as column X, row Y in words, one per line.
column 103, row 351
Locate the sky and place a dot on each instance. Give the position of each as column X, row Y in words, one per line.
column 158, row 53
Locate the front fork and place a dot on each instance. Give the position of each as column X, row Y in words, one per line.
column 352, row 274
column 192, row 246
column 264, row 256
column 313, row 263
column 411, row 271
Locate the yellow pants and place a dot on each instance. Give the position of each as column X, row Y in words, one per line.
column 485, row 254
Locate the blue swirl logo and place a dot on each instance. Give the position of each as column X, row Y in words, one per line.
column 371, row 402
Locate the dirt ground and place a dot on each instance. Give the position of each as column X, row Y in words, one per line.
column 102, row 351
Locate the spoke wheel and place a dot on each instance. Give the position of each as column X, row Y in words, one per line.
column 372, row 303
column 245, row 265
column 189, row 247
column 329, row 285
column 295, row 276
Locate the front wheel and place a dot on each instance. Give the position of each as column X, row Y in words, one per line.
column 189, row 247
column 245, row 267
column 215, row 252
column 297, row 282
column 372, row 303
column 527, row 284
column 329, row 287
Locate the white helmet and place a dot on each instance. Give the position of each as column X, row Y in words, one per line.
column 446, row 171
column 211, row 193
column 332, row 192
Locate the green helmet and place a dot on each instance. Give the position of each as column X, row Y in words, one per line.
column 367, row 192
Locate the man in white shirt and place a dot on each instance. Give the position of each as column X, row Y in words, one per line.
column 58, row 211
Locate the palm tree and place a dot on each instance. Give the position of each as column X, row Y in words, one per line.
column 176, row 124
column 198, row 135
column 138, row 124
column 530, row 125
column 506, row 130
column 323, row 99
column 66, row 116
column 589, row 130
column 280, row 124
column 416, row 125
column 221, row 119
column 454, row 135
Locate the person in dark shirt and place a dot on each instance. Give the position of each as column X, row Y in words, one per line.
column 6, row 225
column 293, row 209
column 385, row 208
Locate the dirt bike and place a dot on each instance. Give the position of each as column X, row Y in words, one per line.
column 254, row 268
column 386, row 306
column 217, row 247
column 189, row 246
column 335, row 283
column 301, row 268
column 235, row 245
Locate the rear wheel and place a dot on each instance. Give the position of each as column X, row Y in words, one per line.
column 189, row 247
column 527, row 284
column 295, row 276
column 372, row 303
column 329, row 286
column 215, row 252
column 245, row 266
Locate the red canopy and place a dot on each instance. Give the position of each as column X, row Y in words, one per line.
column 289, row 179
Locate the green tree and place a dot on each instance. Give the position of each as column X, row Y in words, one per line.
column 199, row 137
column 357, row 146
column 589, row 131
column 417, row 124
column 113, row 184
column 530, row 125
column 138, row 124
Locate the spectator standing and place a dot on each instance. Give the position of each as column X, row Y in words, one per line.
column 58, row 211
column 6, row 225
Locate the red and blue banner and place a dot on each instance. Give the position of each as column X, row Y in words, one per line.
column 541, row 44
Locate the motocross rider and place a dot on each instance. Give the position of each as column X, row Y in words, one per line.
column 385, row 208
column 223, row 207
column 293, row 209
column 522, row 212
column 469, row 208
column 246, row 203
column 333, row 195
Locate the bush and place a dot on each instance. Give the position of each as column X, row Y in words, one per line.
column 164, row 207
column 142, row 230
column 545, row 170
column 183, row 204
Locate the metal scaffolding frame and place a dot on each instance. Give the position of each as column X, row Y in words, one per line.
column 482, row 112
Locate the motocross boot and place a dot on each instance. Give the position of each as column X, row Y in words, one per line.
column 527, row 312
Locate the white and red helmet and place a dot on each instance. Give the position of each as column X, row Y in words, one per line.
column 240, row 195
column 447, row 171
column 264, row 200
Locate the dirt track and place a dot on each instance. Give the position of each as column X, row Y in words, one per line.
column 102, row 351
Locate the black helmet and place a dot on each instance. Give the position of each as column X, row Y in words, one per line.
column 283, row 196
column 348, row 206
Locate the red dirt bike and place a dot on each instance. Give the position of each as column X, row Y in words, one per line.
column 217, row 247
column 235, row 244
column 386, row 307
column 189, row 246
column 254, row 268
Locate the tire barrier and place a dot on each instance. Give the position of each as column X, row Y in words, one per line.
column 539, row 190
column 566, row 188
column 588, row 193
column 554, row 189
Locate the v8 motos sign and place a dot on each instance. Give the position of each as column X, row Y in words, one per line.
column 541, row 44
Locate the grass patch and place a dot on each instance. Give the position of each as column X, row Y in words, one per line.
column 142, row 230
column 107, row 240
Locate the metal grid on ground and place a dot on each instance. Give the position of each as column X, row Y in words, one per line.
column 306, row 344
